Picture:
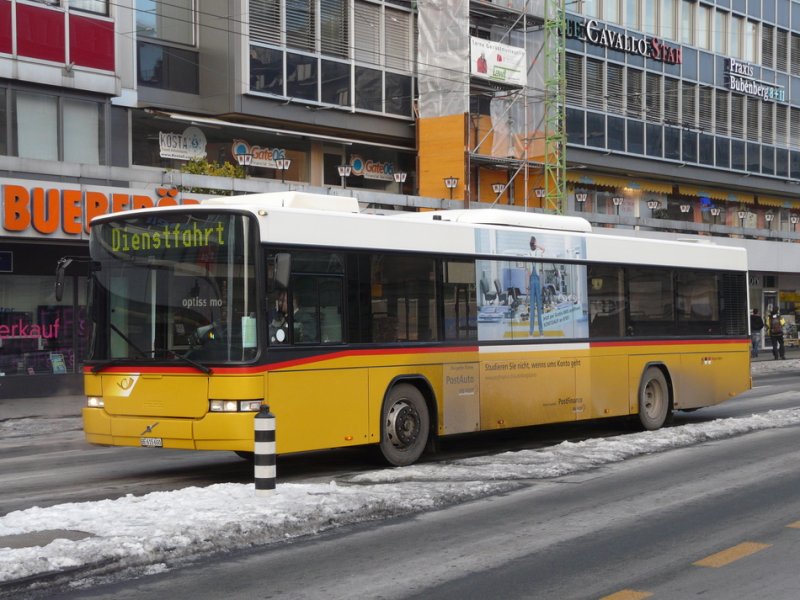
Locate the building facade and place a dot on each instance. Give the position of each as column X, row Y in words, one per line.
column 681, row 119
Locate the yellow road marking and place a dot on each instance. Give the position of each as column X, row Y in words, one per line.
column 627, row 595
column 795, row 525
column 720, row 559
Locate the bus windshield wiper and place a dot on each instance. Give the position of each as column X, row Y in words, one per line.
column 186, row 359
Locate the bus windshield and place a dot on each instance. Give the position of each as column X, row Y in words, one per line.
column 174, row 287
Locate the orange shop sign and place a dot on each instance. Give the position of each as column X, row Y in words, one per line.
column 33, row 209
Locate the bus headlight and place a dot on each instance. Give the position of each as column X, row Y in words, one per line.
column 234, row 405
column 95, row 402
column 250, row 405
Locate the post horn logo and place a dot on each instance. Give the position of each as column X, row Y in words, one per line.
column 126, row 384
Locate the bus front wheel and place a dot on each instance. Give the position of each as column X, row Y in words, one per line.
column 654, row 404
column 405, row 425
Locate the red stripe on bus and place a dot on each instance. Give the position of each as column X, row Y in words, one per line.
column 667, row 343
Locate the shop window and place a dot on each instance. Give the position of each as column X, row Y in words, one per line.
column 655, row 140
column 266, row 70
column 635, row 137
column 723, row 152
column 768, row 160
column 398, row 94
column 301, row 76
column 575, row 128
column 706, row 149
column 171, row 21
column 168, row 68
column 753, row 158
column 689, row 147
column 368, row 89
column 83, row 123
column 99, row 7
column 672, row 143
column 36, row 126
column 781, row 162
column 616, row 134
column 595, row 130
column 738, row 161
column 336, row 82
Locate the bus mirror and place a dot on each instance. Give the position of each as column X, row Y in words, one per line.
column 61, row 268
column 282, row 268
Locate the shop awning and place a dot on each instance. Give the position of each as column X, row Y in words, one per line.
column 618, row 182
column 716, row 194
column 197, row 120
column 767, row 201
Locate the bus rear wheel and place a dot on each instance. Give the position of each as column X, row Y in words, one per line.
column 654, row 401
column 405, row 425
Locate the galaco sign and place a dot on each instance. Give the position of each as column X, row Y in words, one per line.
column 54, row 210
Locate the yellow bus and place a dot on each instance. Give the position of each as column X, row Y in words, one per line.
column 395, row 330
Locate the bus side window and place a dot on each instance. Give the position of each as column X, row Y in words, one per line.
column 330, row 310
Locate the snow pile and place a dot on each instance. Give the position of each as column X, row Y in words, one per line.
column 159, row 530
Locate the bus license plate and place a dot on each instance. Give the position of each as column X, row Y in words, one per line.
column 151, row 442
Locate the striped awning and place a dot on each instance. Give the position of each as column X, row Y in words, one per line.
column 614, row 181
column 716, row 194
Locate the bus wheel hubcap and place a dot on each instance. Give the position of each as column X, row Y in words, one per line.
column 402, row 424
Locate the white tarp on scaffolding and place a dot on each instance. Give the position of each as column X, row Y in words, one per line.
column 518, row 115
column 443, row 57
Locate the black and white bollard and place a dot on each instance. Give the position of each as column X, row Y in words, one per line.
column 264, row 451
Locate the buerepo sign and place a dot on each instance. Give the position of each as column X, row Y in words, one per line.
column 30, row 208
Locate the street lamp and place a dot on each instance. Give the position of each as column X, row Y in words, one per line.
column 617, row 200
column 742, row 214
column 244, row 159
column 282, row 165
column 715, row 210
column 685, row 207
column 794, row 218
column 653, row 205
column 344, row 173
column 540, row 192
column 450, row 183
column 768, row 218
column 400, row 179
column 581, row 198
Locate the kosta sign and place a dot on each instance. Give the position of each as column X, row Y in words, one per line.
column 594, row 32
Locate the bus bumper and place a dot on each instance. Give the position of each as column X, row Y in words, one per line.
column 214, row 431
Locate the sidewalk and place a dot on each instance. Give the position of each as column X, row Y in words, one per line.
column 52, row 406
column 766, row 354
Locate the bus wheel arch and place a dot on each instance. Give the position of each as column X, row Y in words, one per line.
column 407, row 420
column 655, row 397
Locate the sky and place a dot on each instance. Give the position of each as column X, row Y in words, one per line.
column 154, row 532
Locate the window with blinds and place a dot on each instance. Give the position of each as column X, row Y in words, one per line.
column 671, row 101
column 265, row 21
column 300, row 21
column 333, row 28
column 366, row 30
column 767, row 123
column 397, row 25
column 574, row 69
column 794, row 127
column 594, row 84
column 737, row 116
column 781, row 50
column 633, row 86
column 652, row 98
column 705, row 109
column 795, row 47
column 615, row 88
column 781, row 124
column 721, row 117
column 753, row 119
column 688, row 104
column 767, row 43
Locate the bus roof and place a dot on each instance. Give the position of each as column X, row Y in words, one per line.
column 318, row 220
